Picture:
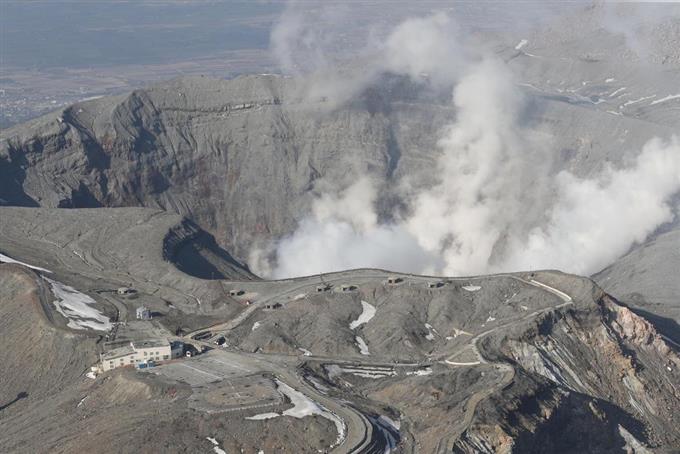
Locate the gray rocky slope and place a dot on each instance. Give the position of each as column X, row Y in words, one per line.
column 504, row 367
column 540, row 362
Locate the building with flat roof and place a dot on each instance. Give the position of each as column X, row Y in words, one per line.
column 143, row 313
column 141, row 351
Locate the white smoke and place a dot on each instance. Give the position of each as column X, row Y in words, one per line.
column 493, row 205
column 343, row 233
column 426, row 47
column 596, row 221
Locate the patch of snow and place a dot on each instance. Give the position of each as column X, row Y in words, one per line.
column 430, row 330
column 615, row 92
column 472, row 288
column 667, row 98
column 216, row 446
column 459, row 332
column 304, row 406
column 299, row 296
column 305, row 351
column 317, row 384
column 611, row 79
column 81, row 401
column 91, row 375
column 77, row 308
column 368, row 312
column 389, row 432
column 613, row 112
column 263, row 416
column 367, row 372
column 521, row 44
column 256, row 325
column 524, row 308
column 635, row 101
column 491, row 319
column 421, row 372
column 6, row 259
column 363, row 348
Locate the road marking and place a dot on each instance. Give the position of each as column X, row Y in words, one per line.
column 201, row 371
column 552, row 290
column 230, row 365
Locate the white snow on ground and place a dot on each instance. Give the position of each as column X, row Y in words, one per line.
column 611, row 79
column 617, row 92
column 524, row 308
column 667, row 98
column 91, row 375
column 635, row 101
column 305, row 351
column 368, row 372
column 521, row 44
column 6, row 259
column 366, row 315
column 363, row 348
column 491, row 319
column 216, row 446
column 304, row 406
column 263, row 416
column 299, row 296
column 421, row 372
column 77, row 308
column 388, row 431
column 472, row 288
column 459, row 332
column 256, row 325
column 396, row 425
column 430, row 330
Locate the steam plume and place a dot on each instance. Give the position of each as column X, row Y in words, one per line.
column 493, row 206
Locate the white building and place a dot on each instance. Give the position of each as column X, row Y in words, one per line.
column 143, row 313
column 137, row 352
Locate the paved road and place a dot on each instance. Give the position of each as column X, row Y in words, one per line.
column 509, row 372
column 359, row 428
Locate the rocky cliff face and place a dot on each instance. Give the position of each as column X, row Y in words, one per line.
column 240, row 157
column 244, row 157
column 598, row 379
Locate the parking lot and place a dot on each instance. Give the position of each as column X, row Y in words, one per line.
column 212, row 367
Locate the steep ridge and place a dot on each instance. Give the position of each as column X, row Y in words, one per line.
column 137, row 247
column 243, row 158
column 646, row 280
column 599, row 370
column 38, row 358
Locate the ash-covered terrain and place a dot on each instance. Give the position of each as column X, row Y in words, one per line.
column 372, row 264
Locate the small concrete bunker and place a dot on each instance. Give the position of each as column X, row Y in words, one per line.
column 323, row 288
column 143, row 313
column 126, row 291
